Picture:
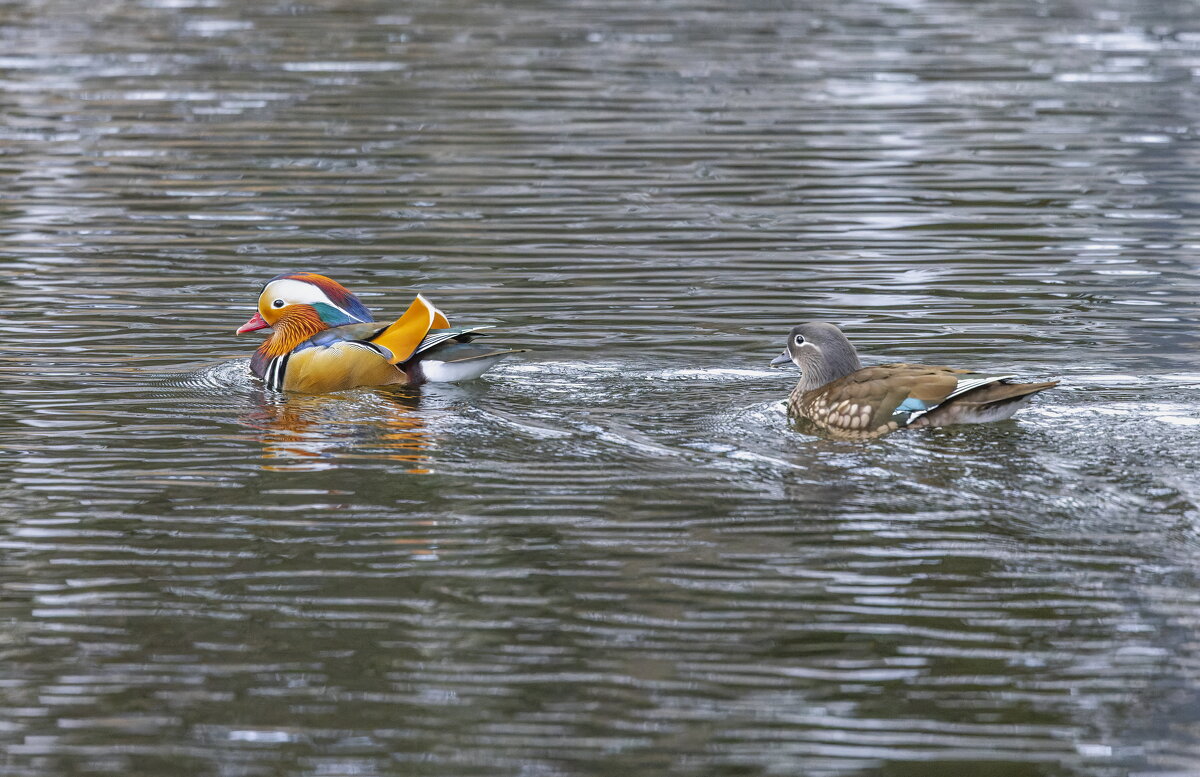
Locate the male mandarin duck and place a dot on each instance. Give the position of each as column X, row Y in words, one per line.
column 324, row 339
column 846, row 401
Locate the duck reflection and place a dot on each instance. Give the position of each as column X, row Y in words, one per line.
column 316, row 432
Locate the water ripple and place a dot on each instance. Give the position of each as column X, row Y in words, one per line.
column 613, row 554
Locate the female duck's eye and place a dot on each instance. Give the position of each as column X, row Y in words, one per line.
column 278, row 303
column 799, row 340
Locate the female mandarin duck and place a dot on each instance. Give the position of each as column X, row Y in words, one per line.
column 847, row 401
column 324, row 339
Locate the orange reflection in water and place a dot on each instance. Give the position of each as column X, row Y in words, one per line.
column 314, row 432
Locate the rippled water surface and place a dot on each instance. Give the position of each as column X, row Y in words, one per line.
column 611, row 556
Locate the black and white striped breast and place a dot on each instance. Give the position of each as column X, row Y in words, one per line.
column 276, row 370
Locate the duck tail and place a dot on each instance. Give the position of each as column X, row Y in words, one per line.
column 992, row 402
column 400, row 339
column 995, row 393
column 455, row 362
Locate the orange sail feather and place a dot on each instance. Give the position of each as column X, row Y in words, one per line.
column 402, row 337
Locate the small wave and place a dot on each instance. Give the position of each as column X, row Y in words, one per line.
column 225, row 376
column 715, row 373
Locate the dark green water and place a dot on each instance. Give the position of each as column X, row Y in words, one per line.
column 611, row 556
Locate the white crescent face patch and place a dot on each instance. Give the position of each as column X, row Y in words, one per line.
column 294, row 292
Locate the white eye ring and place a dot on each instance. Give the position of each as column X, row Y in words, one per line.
column 799, row 340
column 278, row 303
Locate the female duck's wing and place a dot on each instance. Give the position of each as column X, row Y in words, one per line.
column 965, row 381
column 866, row 401
column 988, row 398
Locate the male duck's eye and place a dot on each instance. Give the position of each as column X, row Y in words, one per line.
column 278, row 303
column 799, row 340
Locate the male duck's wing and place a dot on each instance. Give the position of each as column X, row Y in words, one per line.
column 397, row 341
column 462, row 334
column 454, row 361
column 401, row 339
column 338, row 334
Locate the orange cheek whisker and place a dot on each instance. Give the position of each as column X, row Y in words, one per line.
column 291, row 329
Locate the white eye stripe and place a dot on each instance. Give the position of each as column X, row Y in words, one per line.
column 297, row 292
